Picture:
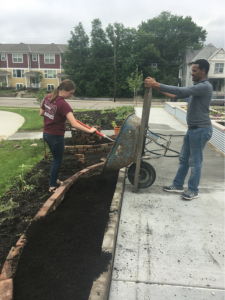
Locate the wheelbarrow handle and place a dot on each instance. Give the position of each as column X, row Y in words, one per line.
column 99, row 133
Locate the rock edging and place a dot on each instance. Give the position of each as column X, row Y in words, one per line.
column 100, row 287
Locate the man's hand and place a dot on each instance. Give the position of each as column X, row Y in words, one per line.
column 150, row 82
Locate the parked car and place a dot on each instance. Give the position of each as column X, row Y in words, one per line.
column 218, row 100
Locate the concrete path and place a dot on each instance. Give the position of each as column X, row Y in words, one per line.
column 78, row 104
column 168, row 248
column 9, row 123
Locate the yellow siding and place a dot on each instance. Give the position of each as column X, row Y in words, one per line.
column 13, row 81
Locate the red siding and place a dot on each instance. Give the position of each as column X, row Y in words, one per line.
column 56, row 65
column 22, row 65
column 3, row 63
column 34, row 64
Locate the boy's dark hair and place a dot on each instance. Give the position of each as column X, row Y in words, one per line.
column 203, row 64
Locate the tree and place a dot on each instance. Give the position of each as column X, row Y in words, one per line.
column 38, row 77
column 174, row 34
column 76, row 57
column 135, row 81
column 40, row 96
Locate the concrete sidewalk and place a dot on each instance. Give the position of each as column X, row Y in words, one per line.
column 9, row 123
column 168, row 248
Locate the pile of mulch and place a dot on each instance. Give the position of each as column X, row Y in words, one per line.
column 63, row 254
column 13, row 222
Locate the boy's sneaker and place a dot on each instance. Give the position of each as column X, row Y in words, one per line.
column 189, row 195
column 173, row 188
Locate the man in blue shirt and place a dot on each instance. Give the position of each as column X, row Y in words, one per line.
column 199, row 127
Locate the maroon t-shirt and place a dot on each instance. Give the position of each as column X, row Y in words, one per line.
column 55, row 115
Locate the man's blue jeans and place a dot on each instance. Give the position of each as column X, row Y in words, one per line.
column 56, row 145
column 191, row 155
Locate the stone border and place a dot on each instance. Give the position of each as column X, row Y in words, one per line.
column 86, row 149
column 10, row 265
column 101, row 286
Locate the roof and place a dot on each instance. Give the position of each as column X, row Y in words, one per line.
column 62, row 75
column 31, row 74
column 221, row 48
column 4, row 73
column 205, row 53
column 33, row 48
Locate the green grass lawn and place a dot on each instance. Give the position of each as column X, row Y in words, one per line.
column 11, row 158
column 33, row 122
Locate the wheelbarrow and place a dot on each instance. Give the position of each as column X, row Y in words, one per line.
column 129, row 149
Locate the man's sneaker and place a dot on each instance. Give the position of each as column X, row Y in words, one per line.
column 174, row 189
column 189, row 195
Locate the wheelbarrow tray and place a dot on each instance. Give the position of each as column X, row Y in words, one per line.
column 123, row 150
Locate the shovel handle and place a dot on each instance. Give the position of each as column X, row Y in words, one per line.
column 99, row 133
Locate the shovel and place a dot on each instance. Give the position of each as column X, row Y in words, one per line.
column 99, row 133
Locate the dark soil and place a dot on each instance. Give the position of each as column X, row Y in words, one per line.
column 16, row 220
column 63, row 254
column 221, row 123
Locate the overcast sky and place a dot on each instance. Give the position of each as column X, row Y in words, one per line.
column 41, row 21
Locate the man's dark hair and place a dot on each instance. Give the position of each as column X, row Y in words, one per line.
column 203, row 64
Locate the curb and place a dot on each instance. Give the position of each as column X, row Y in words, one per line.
column 10, row 265
column 101, row 286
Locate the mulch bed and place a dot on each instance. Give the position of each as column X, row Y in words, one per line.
column 63, row 254
column 13, row 222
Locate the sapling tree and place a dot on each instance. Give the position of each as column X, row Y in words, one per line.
column 135, row 81
column 38, row 78
column 40, row 96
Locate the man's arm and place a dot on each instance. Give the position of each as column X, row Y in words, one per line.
column 179, row 92
column 156, row 86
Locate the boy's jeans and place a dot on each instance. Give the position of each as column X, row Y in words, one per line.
column 56, row 145
column 191, row 155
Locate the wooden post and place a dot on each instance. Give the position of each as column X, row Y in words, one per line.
column 114, row 68
column 141, row 138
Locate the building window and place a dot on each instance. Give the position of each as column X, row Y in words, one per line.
column 50, row 73
column 50, row 87
column 17, row 58
column 18, row 73
column 3, row 57
column 49, row 58
column 154, row 66
column 216, row 85
column 34, row 57
column 218, row 68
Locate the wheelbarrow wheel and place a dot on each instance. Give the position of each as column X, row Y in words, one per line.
column 147, row 174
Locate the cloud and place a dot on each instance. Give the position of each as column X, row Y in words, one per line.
column 43, row 21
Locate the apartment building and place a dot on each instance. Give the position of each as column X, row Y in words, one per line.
column 19, row 64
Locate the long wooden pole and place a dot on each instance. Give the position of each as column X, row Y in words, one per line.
column 114, row 68
column 141, row 137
